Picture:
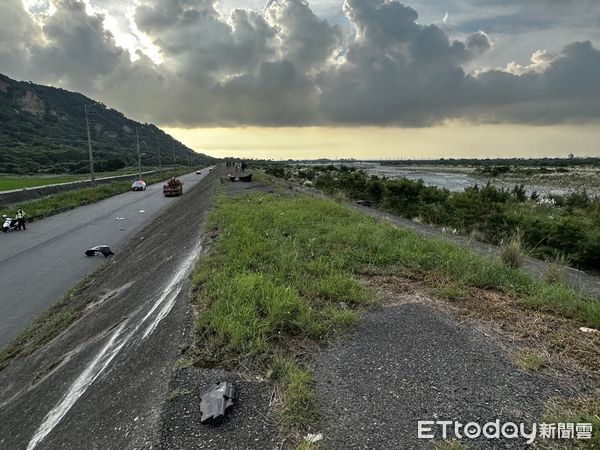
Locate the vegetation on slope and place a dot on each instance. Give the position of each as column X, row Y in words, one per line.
column 42, row 130
column 283, row 275
column 558, row 227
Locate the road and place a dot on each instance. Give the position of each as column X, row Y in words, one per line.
column 102, row 382
column 40, row 265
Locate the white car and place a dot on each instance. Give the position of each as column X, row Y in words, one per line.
column 138, row 185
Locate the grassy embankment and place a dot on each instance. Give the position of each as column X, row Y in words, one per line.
column 56, row 203
column 283, row 275
column 561, row 228
column 11, row 182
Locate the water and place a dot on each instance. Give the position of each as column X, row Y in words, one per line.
column 457, row 181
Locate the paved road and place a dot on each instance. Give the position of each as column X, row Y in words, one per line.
column 102, row 382
column 41, row 264
column 410, row 362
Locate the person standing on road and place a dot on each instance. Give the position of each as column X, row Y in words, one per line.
column 21, row 219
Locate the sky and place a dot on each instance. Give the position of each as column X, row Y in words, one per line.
column 327, row 78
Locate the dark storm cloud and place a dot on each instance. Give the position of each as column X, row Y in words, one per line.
column 307, row 40
column 76, row 47
column 18, row 34
column 287, row 66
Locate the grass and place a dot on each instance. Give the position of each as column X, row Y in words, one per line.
column 582, row 409
column 56, row 203
column 9, row 183
column 512, row 253
column 300, row 403
column 282, row 276
column 176, row 393
column 529, row 360
column 12, row 182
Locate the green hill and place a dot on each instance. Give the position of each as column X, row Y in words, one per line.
column 42, row 130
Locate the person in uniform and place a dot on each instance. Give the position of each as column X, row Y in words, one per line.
column 21, row 219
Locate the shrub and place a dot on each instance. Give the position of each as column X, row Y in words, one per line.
column 512, row 252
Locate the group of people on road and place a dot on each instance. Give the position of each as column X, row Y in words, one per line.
column 17, row 223
column 240, row 166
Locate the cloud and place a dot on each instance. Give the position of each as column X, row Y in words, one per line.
column 285, row 65
column 18, row 34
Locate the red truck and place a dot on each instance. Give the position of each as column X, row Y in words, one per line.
column 173, row 187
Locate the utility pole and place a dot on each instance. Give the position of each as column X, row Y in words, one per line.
column 159, row 160
column 137, row 140
column 87, row 127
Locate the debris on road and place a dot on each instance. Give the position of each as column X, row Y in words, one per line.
column 104, row 249
column 313, row 438
column 244, row 178
column 216, row 400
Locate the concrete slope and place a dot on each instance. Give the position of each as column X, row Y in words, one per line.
column 41, row 264
column 100, row 383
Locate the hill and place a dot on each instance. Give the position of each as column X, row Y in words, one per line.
column 42, row 130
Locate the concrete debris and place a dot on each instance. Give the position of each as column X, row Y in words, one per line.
column 216, row 400
column 588, row 330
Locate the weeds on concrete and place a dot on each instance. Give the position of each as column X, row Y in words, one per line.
column 452, row 444
column 282, row 277
column 530, row 360
column 582, row 409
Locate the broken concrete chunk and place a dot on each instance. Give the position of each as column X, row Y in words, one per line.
column 216, row 400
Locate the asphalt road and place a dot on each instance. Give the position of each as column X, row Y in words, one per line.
column 407, row 363
column 40, row 265
column 102, row 382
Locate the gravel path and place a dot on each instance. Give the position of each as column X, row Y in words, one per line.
column 249, row 424
column 411, row 362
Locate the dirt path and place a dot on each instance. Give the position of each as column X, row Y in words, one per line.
column 102, row 382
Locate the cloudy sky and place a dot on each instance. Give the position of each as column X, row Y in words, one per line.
column 362, row 78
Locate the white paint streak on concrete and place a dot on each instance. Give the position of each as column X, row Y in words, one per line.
column 172, row 291
column 87, row 377
column 112, row 348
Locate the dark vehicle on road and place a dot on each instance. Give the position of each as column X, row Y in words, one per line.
column 138, row 185
column 173, row 187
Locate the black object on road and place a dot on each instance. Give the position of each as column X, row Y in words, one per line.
column 104, row 249
column 216, row 400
